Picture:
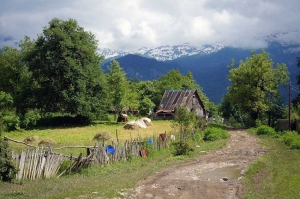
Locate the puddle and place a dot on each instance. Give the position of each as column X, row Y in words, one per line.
column 230, row 172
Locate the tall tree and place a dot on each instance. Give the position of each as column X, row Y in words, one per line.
column 13, row 71
column 65, row 67
column 117, row 83
column 254, row 82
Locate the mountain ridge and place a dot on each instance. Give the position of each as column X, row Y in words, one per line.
column 171, row 52
column 210, row 70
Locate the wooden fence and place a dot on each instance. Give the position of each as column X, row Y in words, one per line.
column 38, row 163
column 44, row 163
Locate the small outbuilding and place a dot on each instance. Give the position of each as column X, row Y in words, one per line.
column 172, row 99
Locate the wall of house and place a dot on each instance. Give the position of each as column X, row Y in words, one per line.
column 194, row 104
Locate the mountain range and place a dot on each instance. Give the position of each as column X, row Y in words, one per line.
column 208, row 63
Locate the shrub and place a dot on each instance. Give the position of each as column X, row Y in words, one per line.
column 30, row 118
column 197, row 136
column 7, row 168
column 291, row 139
column 11, row 122
column 212, row 134
column 265, row 130
column 182, row 148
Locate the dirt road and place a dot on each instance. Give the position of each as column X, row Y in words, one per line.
column 214, row 175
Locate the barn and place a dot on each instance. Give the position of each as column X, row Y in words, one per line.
column 172, row 99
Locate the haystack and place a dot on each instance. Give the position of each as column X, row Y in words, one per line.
column 122, row 118
column 141, row 123
column 102, row 136
column 47, row 142
column 31, row 139
column 138, row 123
column 147, row 121
column 131, row 126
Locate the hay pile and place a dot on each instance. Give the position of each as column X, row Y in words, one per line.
column 47, row 142
column 138, row 123
column 131, row 126
column 31, row 139
column 102, row 136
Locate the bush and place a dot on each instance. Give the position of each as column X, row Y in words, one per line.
column 212, row 134
column 291, row 139
column 197, row 136
column 30, row 118
column 10, row 122
column 265, row 130
column 182, row 148
column 7, row 168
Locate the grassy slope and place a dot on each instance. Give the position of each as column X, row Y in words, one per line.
column 274, row 175
column 103, row 181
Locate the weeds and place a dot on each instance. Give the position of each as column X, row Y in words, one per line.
column 213, row 133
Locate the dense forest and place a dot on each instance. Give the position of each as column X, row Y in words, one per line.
column 58, row 79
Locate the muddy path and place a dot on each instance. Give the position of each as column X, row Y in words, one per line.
column 214, row 175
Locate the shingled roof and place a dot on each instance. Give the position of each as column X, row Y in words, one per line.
column 174, row 98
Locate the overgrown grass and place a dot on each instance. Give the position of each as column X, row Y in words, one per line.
column 276, row 174
column 103, row 181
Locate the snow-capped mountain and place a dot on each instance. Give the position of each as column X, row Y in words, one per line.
column 168, row 52
column 164, row 53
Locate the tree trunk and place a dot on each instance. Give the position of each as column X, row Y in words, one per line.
column 254, row 116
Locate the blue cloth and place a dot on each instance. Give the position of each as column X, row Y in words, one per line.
column 150, row 141
column 110, row 149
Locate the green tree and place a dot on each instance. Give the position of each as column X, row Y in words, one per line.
column 145, row 106
column 184, row 121
column 174, row 80
column 65, row 70
column 117, row 84
column 254, row 82
column 13, row 71
column 297, row 100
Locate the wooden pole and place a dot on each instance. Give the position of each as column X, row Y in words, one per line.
column 117, row 135
column 289, row 105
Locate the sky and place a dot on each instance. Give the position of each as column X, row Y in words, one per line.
column 133, row 24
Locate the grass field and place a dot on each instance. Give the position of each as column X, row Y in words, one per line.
column 276, row 174
column 102, row 181
column 83, row 136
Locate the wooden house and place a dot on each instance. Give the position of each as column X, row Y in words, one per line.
column 172, row 99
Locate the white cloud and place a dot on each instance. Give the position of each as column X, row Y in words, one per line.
column 131, row 24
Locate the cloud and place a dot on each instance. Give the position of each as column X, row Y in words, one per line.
column 131, row 24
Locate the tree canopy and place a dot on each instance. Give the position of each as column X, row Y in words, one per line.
column 65, row 70
column 117, row 84
column 255, row 83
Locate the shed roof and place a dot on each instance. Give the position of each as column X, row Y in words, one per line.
column 173, row 98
